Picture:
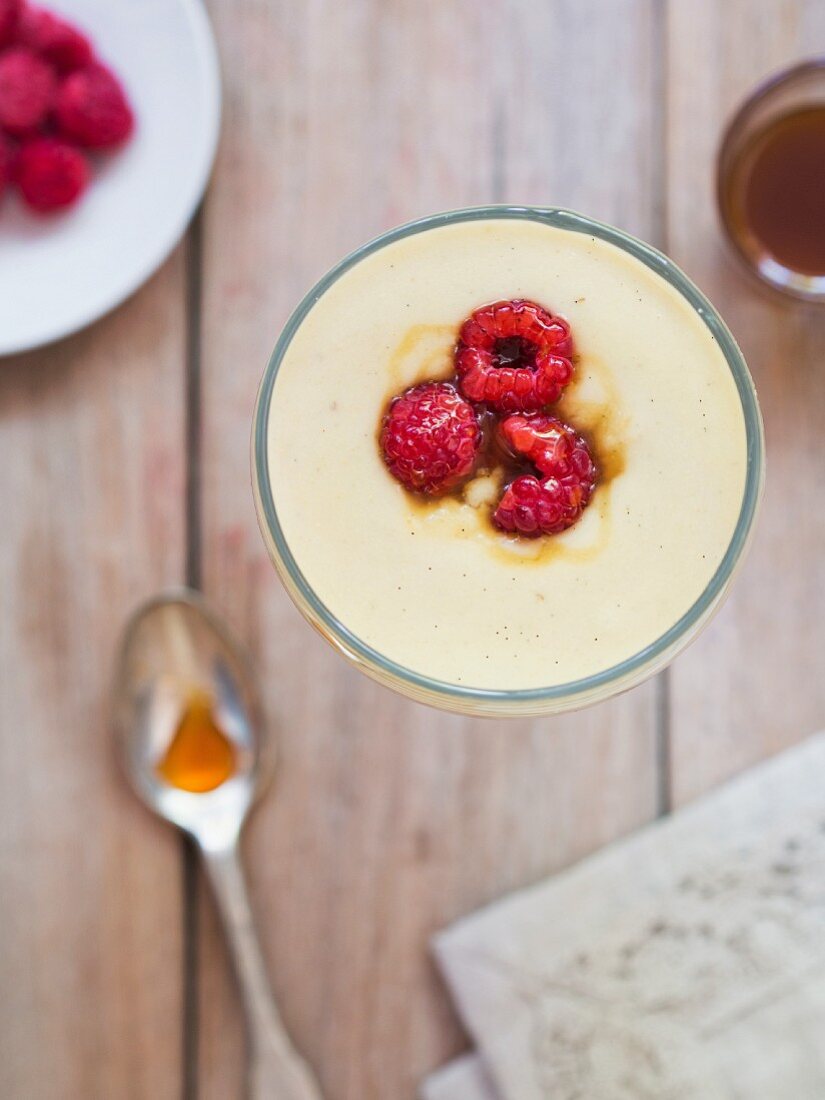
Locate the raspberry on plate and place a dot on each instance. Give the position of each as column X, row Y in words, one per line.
column 7, row 162
column 92, row 108
column 514, row 356
column 27, row 87
column 9, row 15
column 531, row 506
column 430, row 438
column 51, row 174
column 55, row 39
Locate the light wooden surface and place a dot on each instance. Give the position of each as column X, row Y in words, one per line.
column 90, row 887
column 753, row 682
column 388, row 820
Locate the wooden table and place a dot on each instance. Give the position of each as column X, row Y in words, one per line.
column 125, row 468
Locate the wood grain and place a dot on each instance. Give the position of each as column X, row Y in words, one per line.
column 390, row 820
column 91, row 448
column 753, row 682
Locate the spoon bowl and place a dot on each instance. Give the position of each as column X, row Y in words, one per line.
column 175, row 649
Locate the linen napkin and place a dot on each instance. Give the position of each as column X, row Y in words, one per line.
column 686, row 963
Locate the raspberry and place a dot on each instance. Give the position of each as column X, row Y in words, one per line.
column 9, row 15
column 7, row 162
column 27, row 86
column 535, row 507
column 55, row 39
column 430, row 438
column 531, row 507
column 553, row 447
column 517, row 318
column 92, row 108
column 515, row 356
column 51, row 174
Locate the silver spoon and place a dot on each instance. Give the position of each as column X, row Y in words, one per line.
column 175, row 649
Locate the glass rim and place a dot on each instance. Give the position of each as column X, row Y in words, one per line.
column 561, row 218
column 766, row 86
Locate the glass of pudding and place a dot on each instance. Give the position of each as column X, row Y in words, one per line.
column 432, row 594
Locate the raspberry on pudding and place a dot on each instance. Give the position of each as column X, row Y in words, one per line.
column 500, row 500
column 514, row 356
column 545, row 505
column 430, row 438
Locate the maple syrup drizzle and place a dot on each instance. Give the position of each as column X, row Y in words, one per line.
column 200, row 757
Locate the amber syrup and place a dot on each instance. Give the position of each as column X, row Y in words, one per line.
column 774, row 193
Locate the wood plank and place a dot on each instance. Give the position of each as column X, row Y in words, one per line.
column 752, row 683
column 91, row 447
column 390, row 820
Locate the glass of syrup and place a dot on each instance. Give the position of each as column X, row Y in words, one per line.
column 771, row 181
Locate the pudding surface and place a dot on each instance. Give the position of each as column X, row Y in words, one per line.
column 430, row 584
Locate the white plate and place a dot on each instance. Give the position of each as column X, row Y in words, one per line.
column 60, row 273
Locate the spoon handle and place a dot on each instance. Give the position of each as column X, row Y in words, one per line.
column 276, row 1070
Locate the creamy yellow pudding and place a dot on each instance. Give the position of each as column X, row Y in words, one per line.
column 430, row 584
